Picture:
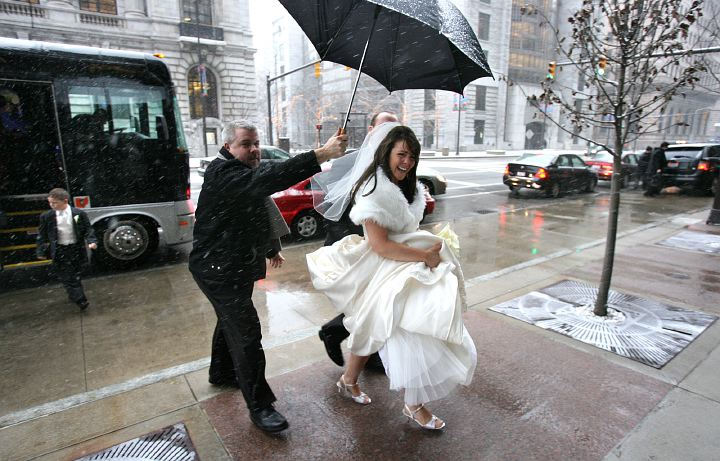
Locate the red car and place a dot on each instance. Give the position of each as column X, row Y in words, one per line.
column 296, row 206
column 602, row 163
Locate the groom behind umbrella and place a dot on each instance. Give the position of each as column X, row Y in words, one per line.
column 333, row 333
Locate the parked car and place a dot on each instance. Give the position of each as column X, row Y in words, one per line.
column 551, row 173
column 692, row 166
column 435, row 182
column 267, row 154
column 602, row 163
column 296, row 207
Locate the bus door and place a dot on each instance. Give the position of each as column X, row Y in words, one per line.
column 31, row 164
column 117, row 143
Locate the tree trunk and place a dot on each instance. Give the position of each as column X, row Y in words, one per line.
column 612, row 227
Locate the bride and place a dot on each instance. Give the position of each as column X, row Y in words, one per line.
column 400, row 288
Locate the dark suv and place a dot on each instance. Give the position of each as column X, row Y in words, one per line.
column 691, row 166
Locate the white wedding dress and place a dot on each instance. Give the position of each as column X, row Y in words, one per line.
column 409, row 313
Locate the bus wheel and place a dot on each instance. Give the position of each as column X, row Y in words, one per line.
column 126, row 241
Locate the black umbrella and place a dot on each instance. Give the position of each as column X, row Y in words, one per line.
column 403, row 44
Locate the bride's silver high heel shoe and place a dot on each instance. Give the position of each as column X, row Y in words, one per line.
column 429, row 425
column 345, row 389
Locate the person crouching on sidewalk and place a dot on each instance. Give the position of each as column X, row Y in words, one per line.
column 62, row 235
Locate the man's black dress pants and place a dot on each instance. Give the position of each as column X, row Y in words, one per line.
column 237, row 348
column 68, row 266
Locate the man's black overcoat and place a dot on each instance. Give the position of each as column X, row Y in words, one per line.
column 232, row 230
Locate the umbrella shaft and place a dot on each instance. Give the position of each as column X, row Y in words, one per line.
column 362, row 61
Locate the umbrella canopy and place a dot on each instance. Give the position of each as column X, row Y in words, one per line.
column 414, row 43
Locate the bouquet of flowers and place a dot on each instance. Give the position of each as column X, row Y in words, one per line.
column 445, row 232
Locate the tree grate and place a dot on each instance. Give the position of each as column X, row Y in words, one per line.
column 694, row 241
column 640, row 329
column 171, row 443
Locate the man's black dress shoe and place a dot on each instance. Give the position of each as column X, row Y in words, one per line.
column 268, row 419
column 332, row 348
column 375, row 363
column 83, row 304
column 230, row 381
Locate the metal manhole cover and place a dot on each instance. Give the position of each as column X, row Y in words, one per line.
column 169, row 444
column 641, row 329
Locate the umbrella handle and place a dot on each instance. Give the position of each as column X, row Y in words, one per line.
column 362, row 61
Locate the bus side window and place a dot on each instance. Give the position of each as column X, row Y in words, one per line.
column 161, row 127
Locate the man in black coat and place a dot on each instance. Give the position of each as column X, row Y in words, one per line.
column 642, row 166
column 62, row 235
column 231, row 240
column 333, row 333
column 655, row 168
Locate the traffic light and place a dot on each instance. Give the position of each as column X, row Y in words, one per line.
column 601, row 65
column 551, row 71
column 317, row 70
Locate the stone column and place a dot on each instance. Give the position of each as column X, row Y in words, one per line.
column 135, row 9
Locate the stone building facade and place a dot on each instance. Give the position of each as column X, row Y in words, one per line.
column 214, row 34
column 480, row 114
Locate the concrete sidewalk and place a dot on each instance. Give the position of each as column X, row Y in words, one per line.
column 535, row 394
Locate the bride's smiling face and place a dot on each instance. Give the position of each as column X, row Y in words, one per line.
column 401, row 161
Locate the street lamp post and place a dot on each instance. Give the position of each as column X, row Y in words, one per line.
column 201, row 72
column 457, row 139
column 268, row 82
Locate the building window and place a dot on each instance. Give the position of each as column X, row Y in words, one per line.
column 483, row 32
column 429, row 100
column 428, row 133
column 98, row 6
column 480, row 95
column 202, row 91
column 479, row 132
column 197, row 11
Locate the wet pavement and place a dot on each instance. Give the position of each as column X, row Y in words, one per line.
column 137, row 360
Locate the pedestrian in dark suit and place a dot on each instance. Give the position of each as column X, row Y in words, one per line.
column 62, row 235
column 642, row 166
column 231, row 240
column 333, row 333
column 655, row 171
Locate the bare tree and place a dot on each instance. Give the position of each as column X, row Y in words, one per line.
column 631, row 56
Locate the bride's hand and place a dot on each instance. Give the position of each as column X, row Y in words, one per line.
column 277, row 261
column 432, row 258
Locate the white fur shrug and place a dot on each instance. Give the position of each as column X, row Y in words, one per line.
column 387, row 206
